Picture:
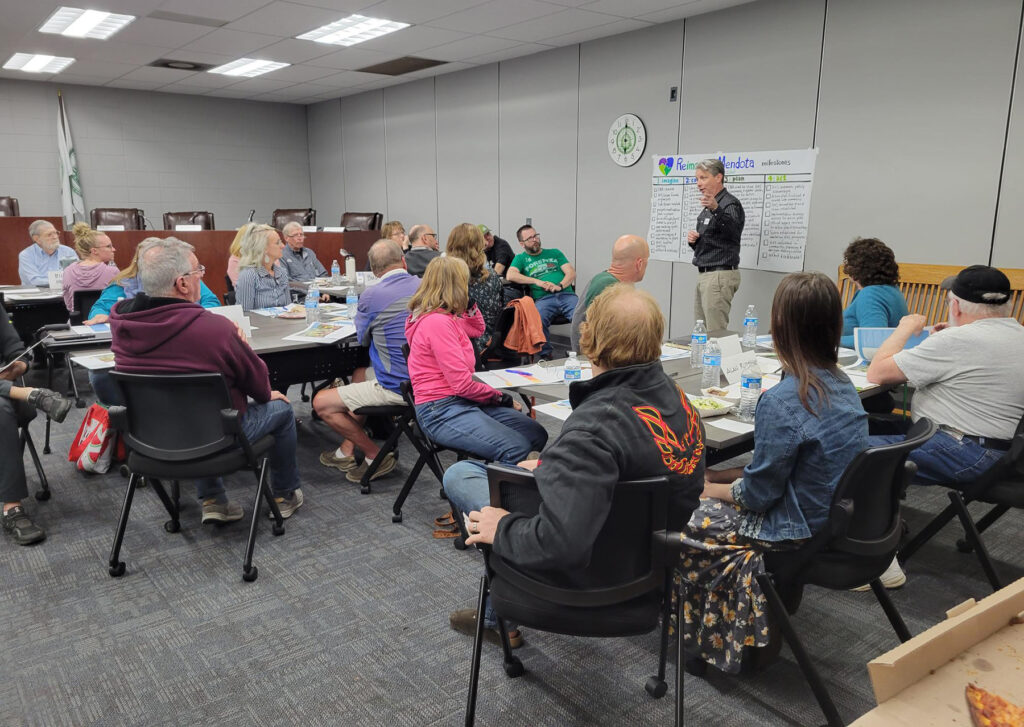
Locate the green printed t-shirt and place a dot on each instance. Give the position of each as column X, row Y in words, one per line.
column 545, row 265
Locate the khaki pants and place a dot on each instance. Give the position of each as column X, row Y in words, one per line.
column 712, row 298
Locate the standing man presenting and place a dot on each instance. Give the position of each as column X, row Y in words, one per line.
column 716, row 246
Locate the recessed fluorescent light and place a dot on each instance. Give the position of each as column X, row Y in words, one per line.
column 79, row 23
column 353, row 29
column 35, row 63
column 248, row 67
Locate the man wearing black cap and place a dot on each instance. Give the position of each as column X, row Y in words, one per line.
column 966, row 377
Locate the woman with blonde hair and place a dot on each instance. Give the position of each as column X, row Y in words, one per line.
column 262, row 283
column 395, row 231
column 235, row 252
column 466, row 242
column 95, row 269
column 452, row 408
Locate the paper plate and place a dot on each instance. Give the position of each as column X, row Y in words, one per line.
column 710, row 406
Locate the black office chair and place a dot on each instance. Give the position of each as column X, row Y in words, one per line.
column 199, row 217
column 183, row 426
column 131, row 218
column 229, row 296
column 9, row 206
column 84, row 300
column 1001, row 486
column 627, row 579
column 305, row 217
column 362, row 220
column 855, row 547
column 24, row 415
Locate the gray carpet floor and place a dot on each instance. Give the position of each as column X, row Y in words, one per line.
column 348, row 621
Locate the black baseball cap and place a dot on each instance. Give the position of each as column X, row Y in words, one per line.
column 980, row 284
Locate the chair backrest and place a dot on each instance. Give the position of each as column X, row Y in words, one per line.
column 305, row 217
column 623, row 562
column 173, row 417
column 362, row 220
column 9, row 206
column 84, row 299
column 865, row 516
column 200, row 217
column 131, row 217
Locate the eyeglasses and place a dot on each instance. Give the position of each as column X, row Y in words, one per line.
column 296, row 234
column 532, row 238
column 200, row 271
column 429, row 234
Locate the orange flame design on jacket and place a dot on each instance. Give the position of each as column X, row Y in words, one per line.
column 673, row 448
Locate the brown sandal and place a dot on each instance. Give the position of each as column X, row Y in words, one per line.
column 442, row 533
column 445, row 520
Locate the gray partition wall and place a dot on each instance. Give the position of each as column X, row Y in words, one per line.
column 908, row 102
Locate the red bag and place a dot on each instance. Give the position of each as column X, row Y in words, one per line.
column 95, row 444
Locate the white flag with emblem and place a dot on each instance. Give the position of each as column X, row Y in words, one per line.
column 71, row 202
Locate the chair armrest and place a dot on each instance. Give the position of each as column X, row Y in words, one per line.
column 232, row 424
column 75, row 318
column 118, row 416
column 498, row 474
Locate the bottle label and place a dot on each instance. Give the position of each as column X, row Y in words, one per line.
column 699, row 338
column 749, row 321
column 712, row 359
column 750, row 382
column 573, row 374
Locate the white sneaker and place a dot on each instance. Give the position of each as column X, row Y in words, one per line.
column 894, row 577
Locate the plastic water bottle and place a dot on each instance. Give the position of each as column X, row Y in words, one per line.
column 313, row 304
column 750, row 390
column 351, row 302
column 698, row 338
column 335, row 272
column 750, row 327
column 712, row 375
column 572, row 370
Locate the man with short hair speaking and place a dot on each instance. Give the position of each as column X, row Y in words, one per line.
column 629, row 422
column 716, row 246
column 301, row 262
column 36, row 261
column 164, row 330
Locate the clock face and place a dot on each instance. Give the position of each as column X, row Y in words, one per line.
column 627, row 138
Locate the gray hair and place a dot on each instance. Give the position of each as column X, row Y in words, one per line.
column 984, row 310
column 711, row 166
column 161, row 263
column 38, row 227
column 416, row 231
column 384, row 254
column 290, row 226
column 254, row 246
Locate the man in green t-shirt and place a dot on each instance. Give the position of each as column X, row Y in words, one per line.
column 629, row 263
column 550, row 277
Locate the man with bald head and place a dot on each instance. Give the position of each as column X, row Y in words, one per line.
column 628, row 422
column 36, row 261
column 630, row 254
column 301, row 262
column 423, row 247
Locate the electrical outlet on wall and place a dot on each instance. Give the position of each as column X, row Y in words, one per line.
column 673, row 94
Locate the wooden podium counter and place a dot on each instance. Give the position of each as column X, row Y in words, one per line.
column 212, row 247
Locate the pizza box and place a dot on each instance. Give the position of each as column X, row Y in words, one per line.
column 922, row 682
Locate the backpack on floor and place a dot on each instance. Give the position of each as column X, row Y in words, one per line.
column 95, row 445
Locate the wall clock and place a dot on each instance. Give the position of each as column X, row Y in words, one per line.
column 627, row 139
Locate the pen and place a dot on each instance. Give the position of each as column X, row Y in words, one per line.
column 517, row 371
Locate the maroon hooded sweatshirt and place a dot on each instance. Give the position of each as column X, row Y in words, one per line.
column 172, row 336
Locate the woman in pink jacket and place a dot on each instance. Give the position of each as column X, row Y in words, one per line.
column 453, row 409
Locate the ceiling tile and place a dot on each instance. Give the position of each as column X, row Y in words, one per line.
column 228, row 10
column 230, row 42
column 162, row 33
column 348, row 59
column 632, row 8
column 552, row 26
column 522, row 49
column 256, row 86
column 202, row 82
column 347, row 79
column 161, row 75
column 410, row 41
column 602, row 31
column 300, row 73
column 347, row 7
column 137, row 53
column 135, row 85
column 284, row 20
column 690, row 9
column 194, row 56
column 494, row 14
column 296, row 51
column 105, row 69
column 473, row 45
column 419, row 11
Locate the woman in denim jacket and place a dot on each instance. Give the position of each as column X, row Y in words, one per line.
column 808, row 429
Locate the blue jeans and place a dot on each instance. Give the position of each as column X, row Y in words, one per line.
column 495, row 433
column 108, row 393
column 944, row 459
column 549, row 307
column 275, row 417
column 465, row 484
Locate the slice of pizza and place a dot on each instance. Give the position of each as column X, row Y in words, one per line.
column 989, row 710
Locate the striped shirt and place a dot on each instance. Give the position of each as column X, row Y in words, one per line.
column 720, row 232
column 256, row 288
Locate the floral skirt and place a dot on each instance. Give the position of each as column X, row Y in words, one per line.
column 724, row 609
